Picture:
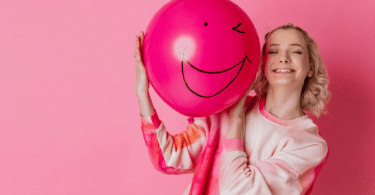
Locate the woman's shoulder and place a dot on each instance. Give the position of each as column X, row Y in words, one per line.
column 309, row 136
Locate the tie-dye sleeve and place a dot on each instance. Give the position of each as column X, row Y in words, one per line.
column 291, row 171
column 174, row 154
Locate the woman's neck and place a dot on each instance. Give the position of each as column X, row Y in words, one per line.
column 284, row 103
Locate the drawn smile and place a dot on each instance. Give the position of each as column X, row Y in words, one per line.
column 241, row 63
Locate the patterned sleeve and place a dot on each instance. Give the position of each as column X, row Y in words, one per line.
column 174, row 154
column 291, row 171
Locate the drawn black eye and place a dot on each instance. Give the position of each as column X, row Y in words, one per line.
column 235, row 28
column 205, row 24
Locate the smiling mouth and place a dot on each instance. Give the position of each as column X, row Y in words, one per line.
column 282, row 70
column 241, row 63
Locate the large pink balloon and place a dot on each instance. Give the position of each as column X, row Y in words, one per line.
column 201, row 56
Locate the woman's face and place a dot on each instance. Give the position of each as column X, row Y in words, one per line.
column 286, row 59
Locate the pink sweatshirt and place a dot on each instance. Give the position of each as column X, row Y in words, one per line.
column 276, row 156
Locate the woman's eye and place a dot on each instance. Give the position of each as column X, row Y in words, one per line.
column 298, row 52
column 272, row 52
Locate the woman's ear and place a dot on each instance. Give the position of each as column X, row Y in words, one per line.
column 311, row 71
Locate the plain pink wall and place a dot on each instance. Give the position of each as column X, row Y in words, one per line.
column 69, row 119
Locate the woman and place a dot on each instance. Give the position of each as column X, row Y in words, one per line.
column 261, row 145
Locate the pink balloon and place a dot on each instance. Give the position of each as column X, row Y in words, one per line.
column 201, row 56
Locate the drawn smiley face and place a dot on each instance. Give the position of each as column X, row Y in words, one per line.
column 201, row 56
column 240, row 64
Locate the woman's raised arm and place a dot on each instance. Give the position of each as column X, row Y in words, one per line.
column 142, row 85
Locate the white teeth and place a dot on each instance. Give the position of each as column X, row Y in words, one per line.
column 283, row 70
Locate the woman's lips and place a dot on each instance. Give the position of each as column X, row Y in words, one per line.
column 283, row 70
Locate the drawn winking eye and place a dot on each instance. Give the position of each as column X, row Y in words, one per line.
column 235, row 28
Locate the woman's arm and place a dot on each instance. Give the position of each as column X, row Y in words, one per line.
column 290, row 171
column 142, row 84
column 169, row 154
column 174, row 154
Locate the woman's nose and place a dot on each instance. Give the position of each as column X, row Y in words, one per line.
column 284, row 58
column 284, row 61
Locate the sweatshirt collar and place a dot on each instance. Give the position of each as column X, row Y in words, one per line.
column 277, row 120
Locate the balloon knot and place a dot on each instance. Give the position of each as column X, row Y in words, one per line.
column 191, row 120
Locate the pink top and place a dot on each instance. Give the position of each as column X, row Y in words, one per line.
column 276, row 156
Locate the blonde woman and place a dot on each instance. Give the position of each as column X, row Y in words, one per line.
column 261, row 145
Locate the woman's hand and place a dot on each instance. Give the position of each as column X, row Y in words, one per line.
column 237, row 110
column 142, row 83
column 237, row 118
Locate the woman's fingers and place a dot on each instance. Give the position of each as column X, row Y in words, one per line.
column 137, row 52
column 142, row 36
column 248, row 90
column 138, row 46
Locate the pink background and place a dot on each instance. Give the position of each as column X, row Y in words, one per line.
column 69, row 119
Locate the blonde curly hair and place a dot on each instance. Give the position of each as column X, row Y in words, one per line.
column 315, row 94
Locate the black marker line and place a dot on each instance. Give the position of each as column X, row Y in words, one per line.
column 203, row 96
column 235, row 28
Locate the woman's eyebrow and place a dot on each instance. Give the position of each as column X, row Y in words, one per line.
column 292, row 44
column 296, row 44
